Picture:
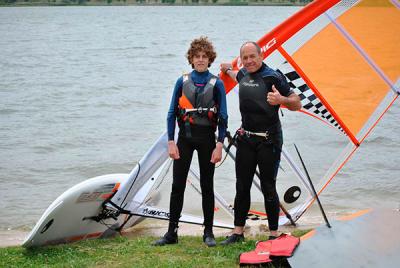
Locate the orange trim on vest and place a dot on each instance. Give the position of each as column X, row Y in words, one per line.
column 184, row 102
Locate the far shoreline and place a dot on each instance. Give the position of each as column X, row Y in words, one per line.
column 150, row 4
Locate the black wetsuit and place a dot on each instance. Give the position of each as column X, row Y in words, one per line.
column 204, row 143
column 201, row 139
column 252, row 151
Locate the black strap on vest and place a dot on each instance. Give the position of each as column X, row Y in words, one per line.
column 189, row 117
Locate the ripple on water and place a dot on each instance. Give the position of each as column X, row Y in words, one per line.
column 8, row 111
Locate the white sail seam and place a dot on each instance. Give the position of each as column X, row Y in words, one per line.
column 364, row 54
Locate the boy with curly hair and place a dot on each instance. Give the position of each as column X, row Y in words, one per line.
column 199, row 106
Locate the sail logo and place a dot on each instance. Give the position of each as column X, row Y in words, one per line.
column 154, row 212
column 247, row 84
column 269, row 44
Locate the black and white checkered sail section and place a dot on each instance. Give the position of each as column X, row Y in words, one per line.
column 309, row 100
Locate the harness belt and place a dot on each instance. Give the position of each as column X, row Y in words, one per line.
column 242, row 132
column 267, row 134
column 200, row 110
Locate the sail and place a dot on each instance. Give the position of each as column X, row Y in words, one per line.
column 342, row 58
column 144, row 171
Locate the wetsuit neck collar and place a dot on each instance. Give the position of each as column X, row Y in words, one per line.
column 202, row 74
column 263, row 66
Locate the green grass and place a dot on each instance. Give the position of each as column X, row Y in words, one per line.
column 125, row 252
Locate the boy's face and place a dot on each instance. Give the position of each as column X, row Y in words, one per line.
column 200, row 61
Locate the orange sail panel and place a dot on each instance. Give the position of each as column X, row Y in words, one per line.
column 344, row 77
column 375, row 26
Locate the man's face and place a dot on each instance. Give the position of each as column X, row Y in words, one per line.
column 250, row 58
column 200, row 61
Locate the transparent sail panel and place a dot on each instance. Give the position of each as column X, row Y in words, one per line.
column 192, row 205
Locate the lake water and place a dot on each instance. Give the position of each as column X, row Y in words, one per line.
column 84, row 91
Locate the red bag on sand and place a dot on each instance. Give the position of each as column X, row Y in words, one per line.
column 283, row 246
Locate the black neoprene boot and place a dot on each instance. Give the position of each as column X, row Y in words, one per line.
column 208, row 238
column 233, row 238
column 167, row 239
column 171, row 237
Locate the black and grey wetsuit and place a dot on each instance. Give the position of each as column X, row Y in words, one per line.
column 259, row 116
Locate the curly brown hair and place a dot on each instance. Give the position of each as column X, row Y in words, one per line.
column 201, row 44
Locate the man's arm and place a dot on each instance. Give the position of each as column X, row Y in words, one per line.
column 227, row 69
column 284, row 94
column 292, row 102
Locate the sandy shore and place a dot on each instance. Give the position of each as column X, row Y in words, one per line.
column 156, row 228
column 12, row 237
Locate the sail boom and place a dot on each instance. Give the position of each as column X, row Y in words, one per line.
column 161, row 214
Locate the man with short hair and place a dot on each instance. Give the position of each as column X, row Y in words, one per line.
column 261, row 92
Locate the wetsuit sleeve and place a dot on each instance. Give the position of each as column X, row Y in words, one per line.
column 282, row 85
column 222, row 111
column 240, row 75
column 173, row 108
